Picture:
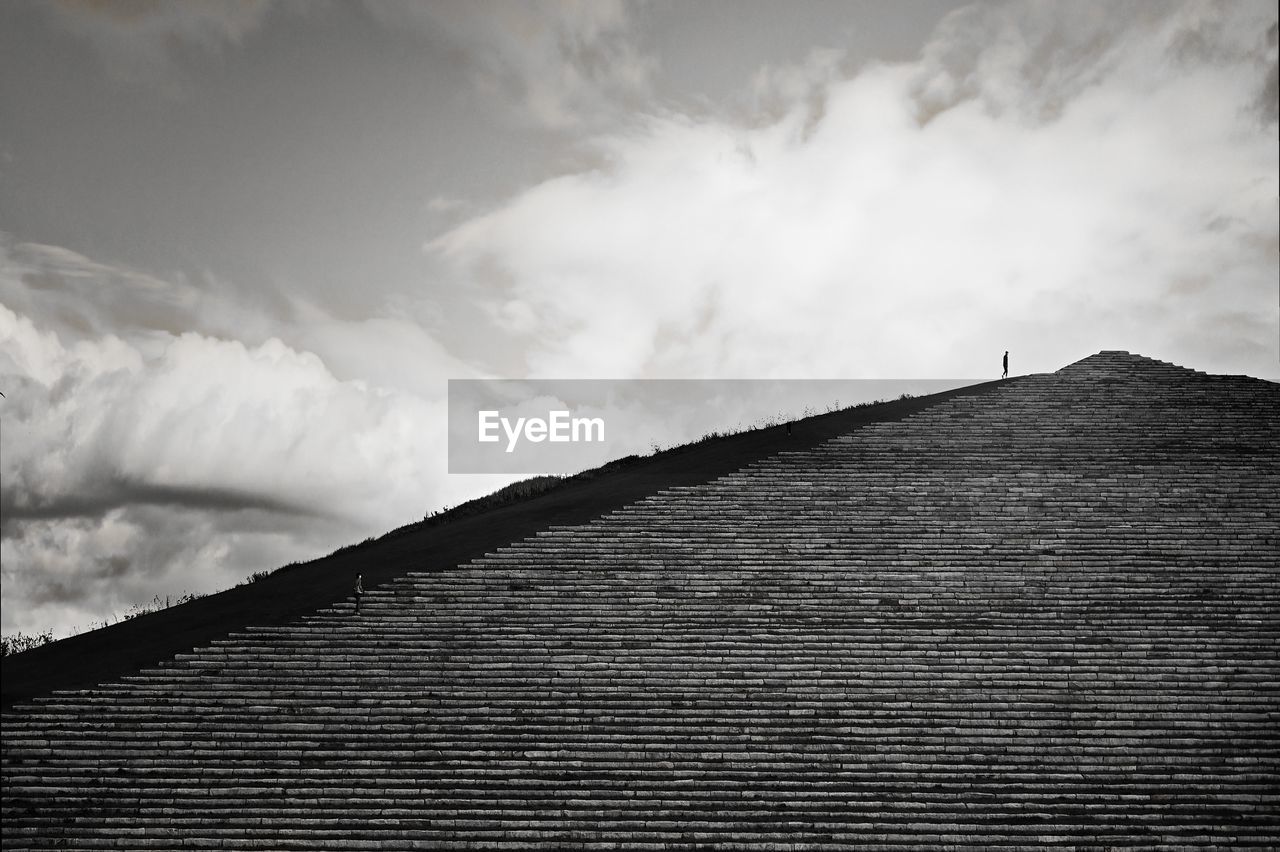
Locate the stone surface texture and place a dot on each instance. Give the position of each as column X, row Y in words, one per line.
column 1045, row 616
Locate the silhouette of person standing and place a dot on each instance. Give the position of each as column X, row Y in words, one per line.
column 359, row 591
column 1006, row 365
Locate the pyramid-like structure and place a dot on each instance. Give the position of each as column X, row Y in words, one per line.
column 1047, row 615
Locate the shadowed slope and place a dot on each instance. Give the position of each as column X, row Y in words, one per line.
column 1042, row 616
column 122, row 648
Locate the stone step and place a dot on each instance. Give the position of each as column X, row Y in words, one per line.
column 1043, row 616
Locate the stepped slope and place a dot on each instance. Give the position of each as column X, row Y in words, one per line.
column 297, row 590
column 1043, row 616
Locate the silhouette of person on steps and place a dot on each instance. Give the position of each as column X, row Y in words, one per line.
column 359, row 591
column 1006, row 364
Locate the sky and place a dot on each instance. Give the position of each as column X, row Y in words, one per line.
column 245, row 244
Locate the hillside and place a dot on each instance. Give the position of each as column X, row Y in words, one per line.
column 1044, row 614
column 122, row 648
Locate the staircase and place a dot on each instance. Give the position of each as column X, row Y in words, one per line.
column 1046, row 616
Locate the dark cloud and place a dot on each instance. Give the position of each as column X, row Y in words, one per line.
column 70, row 573
column 1033, row 59
column 566, row 63
column 107, row 497
column 140, row 41
column 1268, row 102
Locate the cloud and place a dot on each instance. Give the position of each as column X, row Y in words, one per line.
column 139, row 458
column 139, row 40
column 779, row 90
column 1046, row 179
column 1030, row 60
column 79, row 298
column 564, row 62
column 204, row 416
column 70, row 574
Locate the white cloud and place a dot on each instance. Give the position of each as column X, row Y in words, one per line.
column 778, row 90
column 207, row 415
column 386, row 351
column 77, row 298
column 1050, row 180
column 140, row 461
